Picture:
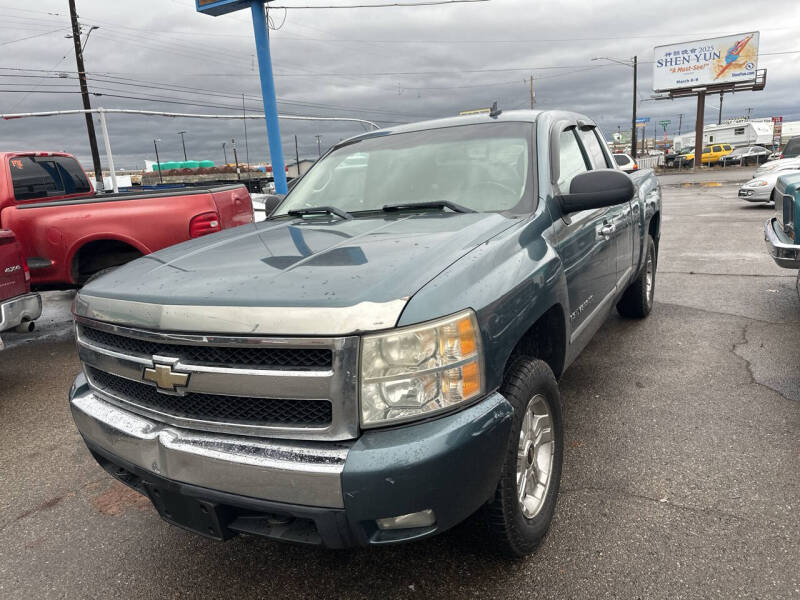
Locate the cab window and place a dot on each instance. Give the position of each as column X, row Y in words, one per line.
column 594, row 150
column 726, row 147
column 706, row 150
column 46, row 176
column 570, row 159
column 717, row 149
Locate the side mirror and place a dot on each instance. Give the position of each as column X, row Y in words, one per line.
column 271, row 202
column 596, row 189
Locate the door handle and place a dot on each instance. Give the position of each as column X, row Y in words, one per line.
column 607, row 230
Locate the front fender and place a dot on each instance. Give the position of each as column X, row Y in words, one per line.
column 509, row 281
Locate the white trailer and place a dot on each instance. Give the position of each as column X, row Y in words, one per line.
column 735, row 133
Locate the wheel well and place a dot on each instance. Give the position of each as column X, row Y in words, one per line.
column 546, row 340
column 98, row 255
column 654, row 228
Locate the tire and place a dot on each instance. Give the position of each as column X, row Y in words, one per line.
column 531, row 387
column 637, row 301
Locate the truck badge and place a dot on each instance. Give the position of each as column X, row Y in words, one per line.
column 165, row 378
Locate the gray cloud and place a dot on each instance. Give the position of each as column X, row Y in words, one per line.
column 386, row 65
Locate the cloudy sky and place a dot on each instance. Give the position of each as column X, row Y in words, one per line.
column 389, row 65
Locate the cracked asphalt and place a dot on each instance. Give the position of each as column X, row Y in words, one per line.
column 681, row 475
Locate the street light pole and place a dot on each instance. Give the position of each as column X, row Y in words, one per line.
column 158, row 161
column 635, row 64
column 225, row 153
column 183, row 141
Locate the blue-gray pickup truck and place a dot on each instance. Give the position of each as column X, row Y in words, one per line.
column 378, row 360
column 782, row 232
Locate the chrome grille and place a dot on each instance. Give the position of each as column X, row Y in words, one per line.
column 306, row 358
column 210, row 407
column 294, row 388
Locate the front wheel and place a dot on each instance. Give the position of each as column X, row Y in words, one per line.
column 520, row 513
column 637, row 300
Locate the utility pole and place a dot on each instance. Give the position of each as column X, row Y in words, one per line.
column 319, row 145
column 76, row 38
column 533, row 96
column 748, row 113
column 225, row 152
column 719, row 119
column 236, row 160
column 680, row 122
column 654, row 134
column 644, row 137
column 297, row 156
column 633, row 121
column 183, row 141
column 246, row 144
column 158, row 161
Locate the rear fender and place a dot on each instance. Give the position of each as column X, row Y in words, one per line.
column 99, row 237
column 234, row 207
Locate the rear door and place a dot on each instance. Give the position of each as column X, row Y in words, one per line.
column 584, row 241
column 12, row 271
column 619, row 216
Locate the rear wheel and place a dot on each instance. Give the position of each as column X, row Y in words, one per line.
column 637, row 301
column 524, row 503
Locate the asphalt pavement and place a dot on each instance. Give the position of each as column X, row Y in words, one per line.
column 681, row 475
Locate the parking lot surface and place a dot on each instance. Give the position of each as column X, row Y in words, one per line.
column 680, row 480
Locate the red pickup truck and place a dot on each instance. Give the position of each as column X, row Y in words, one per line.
column 18, row 306
column 68, row 233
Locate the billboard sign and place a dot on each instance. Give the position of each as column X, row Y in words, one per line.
column 729, row 59
column 220, row 7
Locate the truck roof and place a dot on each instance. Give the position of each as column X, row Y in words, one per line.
column 9, row 153
column 508, row 116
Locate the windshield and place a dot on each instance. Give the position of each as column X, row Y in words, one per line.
column 792, row 148
column 485, row 167
column 739, row 151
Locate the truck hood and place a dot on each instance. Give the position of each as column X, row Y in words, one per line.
column 318, row 262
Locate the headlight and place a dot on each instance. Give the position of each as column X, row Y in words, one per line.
column 417, row 371
column 756, row 183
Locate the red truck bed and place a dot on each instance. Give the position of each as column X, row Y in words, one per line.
column 67, row 233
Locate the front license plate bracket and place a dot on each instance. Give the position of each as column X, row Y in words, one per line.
column 199, row 516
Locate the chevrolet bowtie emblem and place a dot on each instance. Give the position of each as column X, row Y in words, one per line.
column 165, row 378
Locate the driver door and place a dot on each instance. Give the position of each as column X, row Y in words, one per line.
column 585, row 243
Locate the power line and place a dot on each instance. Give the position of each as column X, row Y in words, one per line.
column 30, row 37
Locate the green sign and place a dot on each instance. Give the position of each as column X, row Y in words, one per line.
column 665, row 123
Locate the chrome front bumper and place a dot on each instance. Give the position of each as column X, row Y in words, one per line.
column 17, row 310
column 784, row 254
column 306, row 473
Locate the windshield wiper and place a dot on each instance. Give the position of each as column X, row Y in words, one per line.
column 433, row 204
column 321, row 210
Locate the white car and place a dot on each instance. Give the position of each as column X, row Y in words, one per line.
column 760, row 188
column 625, row 162
column 782, row 164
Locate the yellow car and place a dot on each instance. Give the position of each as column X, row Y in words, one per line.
column 711, row 154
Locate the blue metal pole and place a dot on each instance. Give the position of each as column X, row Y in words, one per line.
column 268, row 94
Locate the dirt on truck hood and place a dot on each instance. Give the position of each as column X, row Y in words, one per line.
column 311, row 262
